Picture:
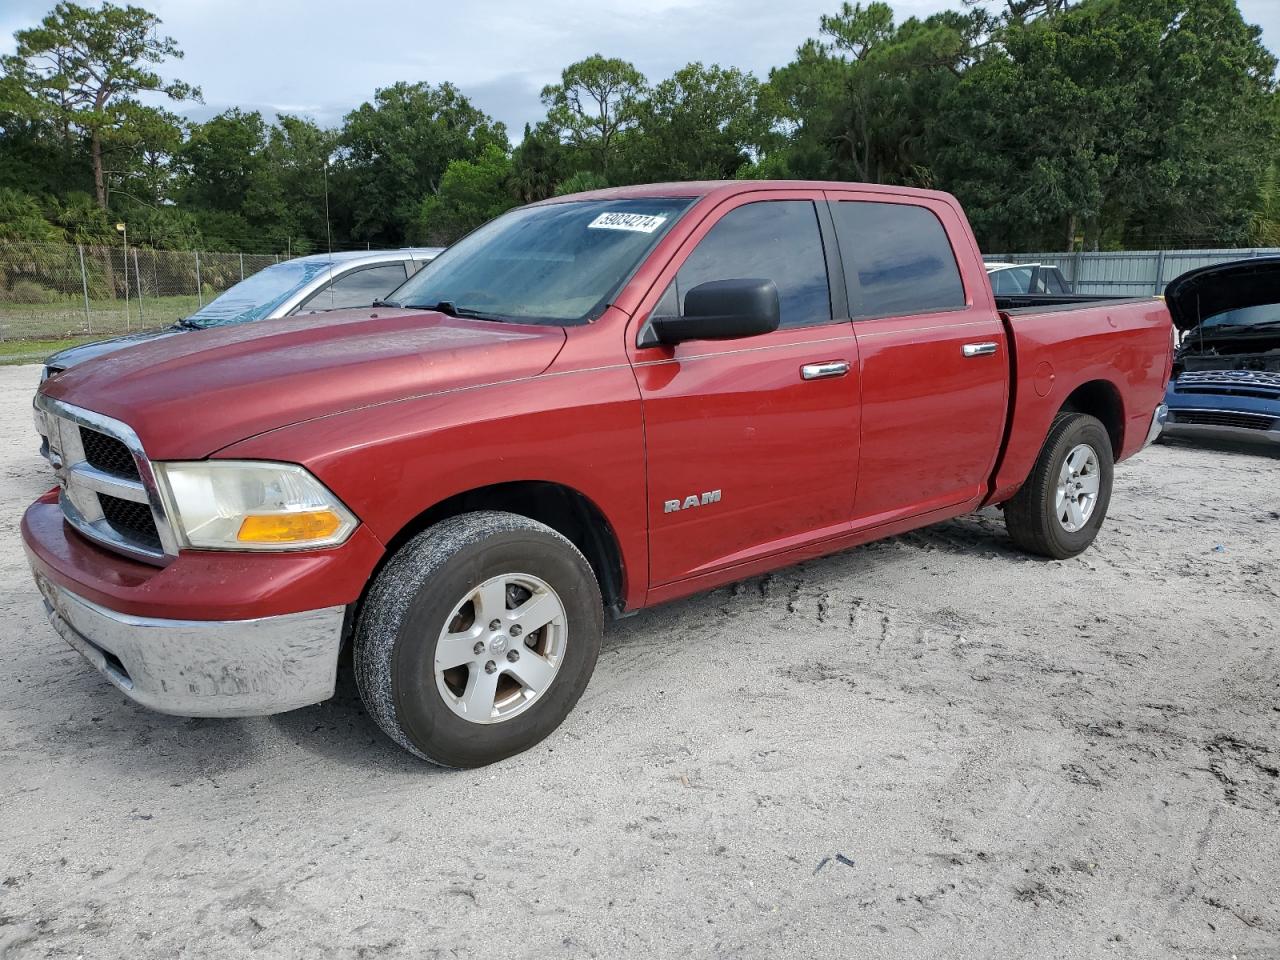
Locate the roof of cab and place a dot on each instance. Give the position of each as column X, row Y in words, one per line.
column 729, row 188
column 353, row 256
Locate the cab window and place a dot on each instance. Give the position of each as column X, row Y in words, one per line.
column 359, row 288
column 897, row 259
column 776, row 240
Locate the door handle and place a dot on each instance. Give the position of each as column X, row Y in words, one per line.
column 980, row 349
column 828, row 368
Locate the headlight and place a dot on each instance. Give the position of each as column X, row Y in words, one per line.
column 252, row 505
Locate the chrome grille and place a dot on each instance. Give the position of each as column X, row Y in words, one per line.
column 109, row 492
column 108, row 454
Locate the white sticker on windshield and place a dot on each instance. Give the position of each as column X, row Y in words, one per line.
column 638, row 222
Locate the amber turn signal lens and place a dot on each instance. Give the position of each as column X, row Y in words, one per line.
column 301, row 527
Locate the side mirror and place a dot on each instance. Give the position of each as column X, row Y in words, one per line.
column 718, row 310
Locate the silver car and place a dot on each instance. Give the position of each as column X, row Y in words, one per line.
column 321, row 281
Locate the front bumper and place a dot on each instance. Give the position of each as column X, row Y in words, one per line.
column 204, row 668
column 1174, row 427
column 209, row 634
column 1222, row 416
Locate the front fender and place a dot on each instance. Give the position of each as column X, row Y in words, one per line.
column 390, row 462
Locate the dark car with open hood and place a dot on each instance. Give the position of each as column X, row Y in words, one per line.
column 1226, row 371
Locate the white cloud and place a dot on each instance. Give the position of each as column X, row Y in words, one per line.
column 325, row 57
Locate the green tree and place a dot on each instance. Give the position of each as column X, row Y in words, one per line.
column 702, row 123
column 581, row 182
column 396, row 150
column 141, row 154
column 1106, row 121
column 80, row 220
column 859, row 103
column 595, row 103
column 226, row 167
column 471, row 193
column 82, row 69
column 538, row 164
column 22, row 219
column 297, row 151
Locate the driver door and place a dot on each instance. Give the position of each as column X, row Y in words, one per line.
column 752, row 444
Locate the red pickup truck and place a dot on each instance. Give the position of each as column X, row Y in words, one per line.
column 588, row 406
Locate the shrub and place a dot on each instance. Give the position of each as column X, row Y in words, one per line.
column 28, row 291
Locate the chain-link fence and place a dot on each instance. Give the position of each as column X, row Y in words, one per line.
column 60, row 291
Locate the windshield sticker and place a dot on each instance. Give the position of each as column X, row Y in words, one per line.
column 636, row 222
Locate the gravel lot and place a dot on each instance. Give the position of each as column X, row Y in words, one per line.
column 930, row 746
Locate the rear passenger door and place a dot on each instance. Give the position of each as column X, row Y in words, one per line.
column 751, row 444
column 934, row 362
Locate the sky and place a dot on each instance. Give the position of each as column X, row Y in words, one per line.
column 322, row 58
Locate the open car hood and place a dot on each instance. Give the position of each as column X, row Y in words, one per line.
column 1206, row 291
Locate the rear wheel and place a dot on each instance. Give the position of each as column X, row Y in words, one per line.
column 477, row 638
column 1060, row 508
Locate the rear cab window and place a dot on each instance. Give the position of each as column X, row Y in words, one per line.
column 897, row 259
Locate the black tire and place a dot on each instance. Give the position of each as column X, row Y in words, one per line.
column 400, row 625
column 1031, row 516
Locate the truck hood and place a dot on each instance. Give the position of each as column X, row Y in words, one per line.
column 81, row 352
column 1207, row 291
column 189, row 396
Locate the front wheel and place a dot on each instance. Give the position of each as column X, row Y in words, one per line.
column 477, row 638
column 1060, row 508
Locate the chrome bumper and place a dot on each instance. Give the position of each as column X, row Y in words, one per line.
column 204, row 668
column 1157, row 424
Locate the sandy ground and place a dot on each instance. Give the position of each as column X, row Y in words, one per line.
column 928, row 747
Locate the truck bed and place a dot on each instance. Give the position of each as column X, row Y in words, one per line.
column 1053, row 302
column 1105, row 341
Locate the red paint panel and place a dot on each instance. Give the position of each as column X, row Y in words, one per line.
column 737, row 417
column 577, row 425
column 198, row 585
column 782, row 451
column 1125, row 345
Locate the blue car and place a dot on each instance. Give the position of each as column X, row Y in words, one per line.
column 1226, row 369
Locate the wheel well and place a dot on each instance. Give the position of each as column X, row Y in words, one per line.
column 1100, row 399
column 561, row 508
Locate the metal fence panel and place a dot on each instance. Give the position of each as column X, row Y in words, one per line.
column 1133, row 273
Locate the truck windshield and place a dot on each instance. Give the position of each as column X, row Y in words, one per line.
column 555, row 264
column 253, row 298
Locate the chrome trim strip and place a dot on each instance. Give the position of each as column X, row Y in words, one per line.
column 57, row 410
column 204, row 668
column 90, row 476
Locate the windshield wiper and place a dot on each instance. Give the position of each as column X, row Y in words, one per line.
column 385, row 303
column 451, row 309
column 186, row 323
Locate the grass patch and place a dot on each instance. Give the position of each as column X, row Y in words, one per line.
column 65, row 318
column 34, row 351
